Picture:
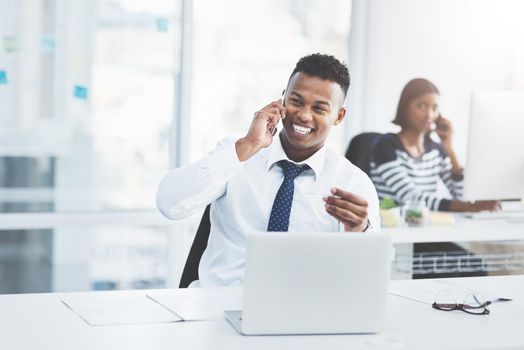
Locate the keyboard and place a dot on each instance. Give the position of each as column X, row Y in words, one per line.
column 497, row 215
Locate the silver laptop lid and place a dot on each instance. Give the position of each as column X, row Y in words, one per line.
column 316, row 283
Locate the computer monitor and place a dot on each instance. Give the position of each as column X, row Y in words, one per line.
column 495, row 155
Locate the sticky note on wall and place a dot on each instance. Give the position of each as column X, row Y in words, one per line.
column 10, row 43
column 3, row 77
column 80, row 92
column 162, row 24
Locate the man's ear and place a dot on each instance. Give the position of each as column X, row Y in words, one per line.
column 340, row 116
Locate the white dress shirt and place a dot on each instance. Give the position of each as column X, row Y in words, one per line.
column 242, row 195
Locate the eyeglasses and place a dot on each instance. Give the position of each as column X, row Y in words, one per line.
column 474, row 304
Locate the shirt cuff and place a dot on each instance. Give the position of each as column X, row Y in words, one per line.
column 444, row 205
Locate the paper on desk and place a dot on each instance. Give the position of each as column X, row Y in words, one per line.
column 199, row 305
column 105, row 310
column 425, row 291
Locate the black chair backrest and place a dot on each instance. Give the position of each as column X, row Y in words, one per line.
column 190, row 272
column 359, row 150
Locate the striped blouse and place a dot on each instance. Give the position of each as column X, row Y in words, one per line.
column 400, row 176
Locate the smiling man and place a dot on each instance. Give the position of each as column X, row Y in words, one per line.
column 269, row 181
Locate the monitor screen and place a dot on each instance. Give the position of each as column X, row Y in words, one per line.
column 495, row 156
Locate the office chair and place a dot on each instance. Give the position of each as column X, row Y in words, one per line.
column 190, row 272
column 359, row 150
column 359, row 153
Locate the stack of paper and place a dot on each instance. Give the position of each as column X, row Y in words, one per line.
column 200, row 306
column 104, row 309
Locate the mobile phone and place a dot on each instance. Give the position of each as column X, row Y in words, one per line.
column 273, row 129
column 439, row 125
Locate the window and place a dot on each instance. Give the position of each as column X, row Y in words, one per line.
column 243, row 54
column 87, row 90
column 87, row 98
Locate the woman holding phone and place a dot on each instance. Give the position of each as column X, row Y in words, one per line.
column 408, row 165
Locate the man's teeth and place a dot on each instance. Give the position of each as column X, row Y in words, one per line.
column 301, row 130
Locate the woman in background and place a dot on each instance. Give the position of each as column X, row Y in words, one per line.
column 407, row 165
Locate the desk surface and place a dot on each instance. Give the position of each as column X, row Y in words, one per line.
column 463, row 230
column 41, row 321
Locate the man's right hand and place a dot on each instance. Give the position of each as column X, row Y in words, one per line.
column 261, row 131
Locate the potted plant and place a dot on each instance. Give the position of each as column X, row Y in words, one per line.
column 415, row 213
column 389, row 212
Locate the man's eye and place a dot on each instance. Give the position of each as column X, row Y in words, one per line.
column 294, row 101
column 320, row 110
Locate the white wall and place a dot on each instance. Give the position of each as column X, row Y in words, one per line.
column 460, row 45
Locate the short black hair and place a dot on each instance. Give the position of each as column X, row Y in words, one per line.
column 413, row 90
column 324, row 67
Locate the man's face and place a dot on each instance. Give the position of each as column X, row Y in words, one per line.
column 313, row 105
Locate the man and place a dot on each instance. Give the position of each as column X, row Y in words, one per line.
column 270, row 182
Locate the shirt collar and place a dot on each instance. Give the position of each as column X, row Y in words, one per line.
column 315, row 162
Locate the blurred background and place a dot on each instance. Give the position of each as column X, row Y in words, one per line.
column 99, row 99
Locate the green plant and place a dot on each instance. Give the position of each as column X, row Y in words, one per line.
column 387, row 203
column 414, row 217
column 415, row 214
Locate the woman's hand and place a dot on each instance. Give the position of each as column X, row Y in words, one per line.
column 444, row 130
column 475, row 206
column 484, row 206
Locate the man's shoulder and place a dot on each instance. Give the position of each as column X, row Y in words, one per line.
column 350, row 177
column 342, row 164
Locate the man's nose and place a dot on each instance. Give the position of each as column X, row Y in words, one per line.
column 305, row 114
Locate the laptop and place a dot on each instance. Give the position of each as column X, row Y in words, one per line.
column 314, row 283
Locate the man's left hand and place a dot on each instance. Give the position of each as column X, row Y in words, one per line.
column 348, row 208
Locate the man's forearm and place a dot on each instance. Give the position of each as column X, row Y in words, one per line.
column 184, row 191
column 246, row 148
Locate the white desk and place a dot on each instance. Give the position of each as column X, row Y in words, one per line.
column 41, row 321
column 463, row 230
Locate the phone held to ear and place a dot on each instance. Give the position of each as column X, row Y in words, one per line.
column 271, row 128
column 440, row 124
